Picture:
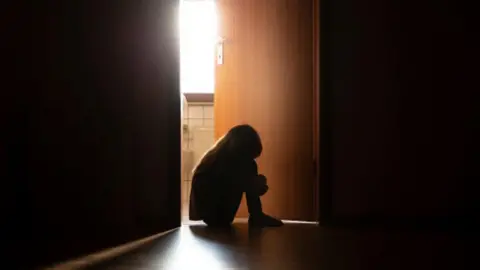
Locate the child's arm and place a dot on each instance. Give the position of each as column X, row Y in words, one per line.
column 260, row 181
column 262, row 184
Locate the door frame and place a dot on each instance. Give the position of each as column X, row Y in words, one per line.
column 321, row 153
column 316, row 113
column 324, row 113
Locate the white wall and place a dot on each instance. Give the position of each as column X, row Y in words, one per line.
column 198, row 137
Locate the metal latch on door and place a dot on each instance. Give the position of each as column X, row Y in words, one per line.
column 219, row 50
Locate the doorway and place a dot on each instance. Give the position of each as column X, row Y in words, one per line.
column 260, row 63
column 198, row 34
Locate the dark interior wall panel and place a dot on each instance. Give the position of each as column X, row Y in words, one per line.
column 400, row 89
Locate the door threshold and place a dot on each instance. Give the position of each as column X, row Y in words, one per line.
column 187, row 222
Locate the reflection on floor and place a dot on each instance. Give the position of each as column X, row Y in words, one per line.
column 185, row 211
column 295, row 246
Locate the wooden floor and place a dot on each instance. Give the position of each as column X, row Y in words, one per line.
column 297, row 246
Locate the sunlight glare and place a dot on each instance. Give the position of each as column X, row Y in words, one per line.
column 198, row 34
column 193, row 253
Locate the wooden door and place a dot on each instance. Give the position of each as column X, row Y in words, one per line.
column 267, row 80
column 90, row 111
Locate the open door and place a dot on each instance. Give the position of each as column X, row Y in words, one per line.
column 265, row 77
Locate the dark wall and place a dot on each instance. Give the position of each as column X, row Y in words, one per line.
column 397, row 103
column 90, row 125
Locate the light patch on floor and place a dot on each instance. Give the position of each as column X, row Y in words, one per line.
column 104, row 255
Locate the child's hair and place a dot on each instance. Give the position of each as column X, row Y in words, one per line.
column 242, row 142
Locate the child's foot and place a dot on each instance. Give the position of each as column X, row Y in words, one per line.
column 264, row 221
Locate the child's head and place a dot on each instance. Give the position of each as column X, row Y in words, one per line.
column 242, row 142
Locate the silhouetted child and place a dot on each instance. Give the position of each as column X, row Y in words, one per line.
column 224, row 173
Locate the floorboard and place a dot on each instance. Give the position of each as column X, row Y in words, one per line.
column 297, row 246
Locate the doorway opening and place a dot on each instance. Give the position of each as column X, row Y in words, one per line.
column 198, row 36
column 262, row 65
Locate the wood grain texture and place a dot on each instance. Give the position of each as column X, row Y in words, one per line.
column 93, row 127
column 298, row 247
column 267, row 81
